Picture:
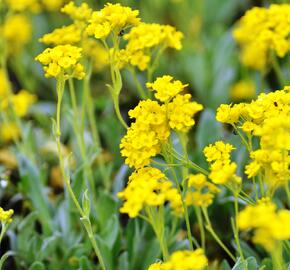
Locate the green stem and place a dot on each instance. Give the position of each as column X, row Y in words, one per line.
column 4, row 228
column 214, row 235
column 137, row 83
column 184, row 206
column 79, row 132
column 89, row 104
column 60, row 91
column 236, row 231
column 278, row 70
column 201, row 227
column 157, row 222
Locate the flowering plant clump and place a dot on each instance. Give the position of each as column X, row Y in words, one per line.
column 107, row 162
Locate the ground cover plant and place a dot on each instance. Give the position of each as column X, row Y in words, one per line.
column 149, row 135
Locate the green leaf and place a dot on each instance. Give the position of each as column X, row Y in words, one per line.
column 85, row 264
column 106, row 253
column 106, row 207
column 111, row 231
column 251, row 264
column 5, row 257
column 37, row 266
column 225, row 265
column 31, row 183
column 86, row 204
column 27, row 221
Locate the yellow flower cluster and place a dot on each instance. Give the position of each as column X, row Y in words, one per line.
column 183, row 260
column 268, row 118
column 6, row 216
column 143, row 38
column 200, row 192
column 14, row 38
column 148, row 187
column 111, row 19
column 270, row 224
column 165, row 88
column 153, row 122
column 70, row 34
column 243, row 90
column 144, row 137
column 9, row 131
column 21, row 102
column 62, row 60
column 262, row 31
column 222, row 170
column 180, row 112
column 4, row 84
column 79, row 14
column 34, row 5
column 22, row 5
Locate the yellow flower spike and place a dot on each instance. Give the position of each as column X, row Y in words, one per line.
column 62, row 60
column 6, row 216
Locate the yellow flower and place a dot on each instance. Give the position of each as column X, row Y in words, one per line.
column 16, row 39
column 8, row 132
column 112, row 18
column 97, row 53
column 262, row 31
column 269, row 225
column 166, row 88
column 6, row 216
column 22, row 5
column 79, row 14
column 70, row 34
column 143, row 38
column 222, row 170
column 183, row 260
column 22, row 101
column 244, row 89
column 62, row 60
column 229, row 114
column 147, row 187
column 4, row 84
column 181, row 111
column 144, row 137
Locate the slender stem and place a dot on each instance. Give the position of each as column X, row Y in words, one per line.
column 201, row 227
column 184, row 206
column 137, row 83
column 118, row 112
column 277, row 70
column 236, row 231
column 215, row 236
column 60, row 91
column 157, row 222
column 89, row 104
column 79, row 132
column 4, row 227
